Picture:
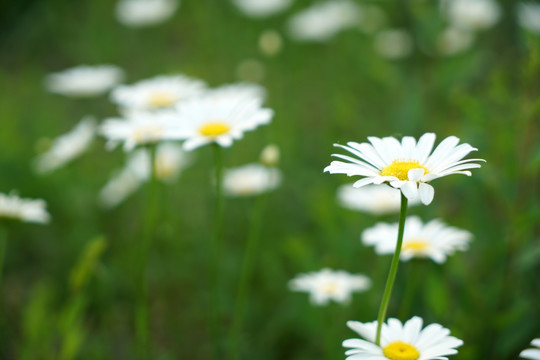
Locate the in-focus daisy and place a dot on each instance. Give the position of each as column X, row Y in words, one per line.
column 324, row 20
column 261, row 8
column 170, row 161
column 157, row 93
column 26, row 210
column 394, row 44
column 528, row 14
column 433, row 239
column 372, row 199
column 408, row 166
column 250, row 179
column 220, row 118
column 534, row 353
column 139, row 13
column 328, row 284
column 472, row 14
column 401, row 341
column 84, row 81
column 139, row 128
column 68, row 146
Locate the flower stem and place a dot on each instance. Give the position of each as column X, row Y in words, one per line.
column 247, row 269
column 3, row 245
column 393, row 270
column 215, row 250
column 141, row 311
column 415, row 271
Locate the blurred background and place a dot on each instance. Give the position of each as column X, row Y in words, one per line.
column 371, row 68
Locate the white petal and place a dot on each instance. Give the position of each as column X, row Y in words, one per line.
column 410, row 190
column 426, row 193
column 533, row 354
column 415, row 174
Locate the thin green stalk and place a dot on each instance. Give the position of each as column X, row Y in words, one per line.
column 393, row 270
column 141, row 312
column 410, row 287
column 3, row 245
column 215, row 250
column 242, row 294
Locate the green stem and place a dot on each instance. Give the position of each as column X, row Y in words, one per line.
column 393, row 270
column 247, row 270
column 215, row 250
column 410, row 287
column 141, row 312
column 3, row 245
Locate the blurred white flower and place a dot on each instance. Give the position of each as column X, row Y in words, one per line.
column 171, row 160
column 157, row 93
column 68, row 146
column 270, row 155
column 394, row 44
column 220, row 117
column 261, row 8
column 401, row 342
column 433, row 240
column 238, row 91
column 140, row 13
column 26, row 210
column 139, row 128
column 534, row 353
column 408, row 166
column 270, row 42
column 472, row 14
column 328, row 284
column 372, row 199
column 454, row 40
column 84, row 81
column 528, row 14
column 250, row 179
column 324, row 20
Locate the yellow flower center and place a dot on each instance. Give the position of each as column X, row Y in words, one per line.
column 330, row 288
column 400, row 169
column 162, row 99
column 400, row 351
column 415, row 245
column 213, row 129
column 148, row 133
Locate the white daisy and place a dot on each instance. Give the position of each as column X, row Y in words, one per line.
column 324, row 20
column 220, row 118
column 401, row 342
column 394, row 44
column 327, row 284
column 26, row 210
column 139, row 128
column 261, row 8
column 250, row 179
column 68, row 146
column 239, row 90
column 84, row 81
column 472, row 14
column 534, row 353
column 433, row 240
column 157, row 93
column 407, row 165
column 528, row 14
column 139, row 13
column 371, row 199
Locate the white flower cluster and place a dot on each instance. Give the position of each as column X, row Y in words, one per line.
column 26, row 210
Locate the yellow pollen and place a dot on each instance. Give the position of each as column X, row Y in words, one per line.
column 400, row 169
column 400, row 351
column 330, row 288
column 162, row 99
column 213, row 129
column 414, row 245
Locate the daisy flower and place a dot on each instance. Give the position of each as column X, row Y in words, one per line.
column 534, row 353
column 472, row 14
column 26, row 210
column 68, row 146
column 433, row 240
column 324, row 20
column 250, row 179
column 84, row 81
column 261, row 8
column 239, row 90
column 219, row 118
column 157, row 93
column 139, row 128
column 401, row 341
column 407, row 166
column 139, row 13
column 371, row 199
column 327, row 284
